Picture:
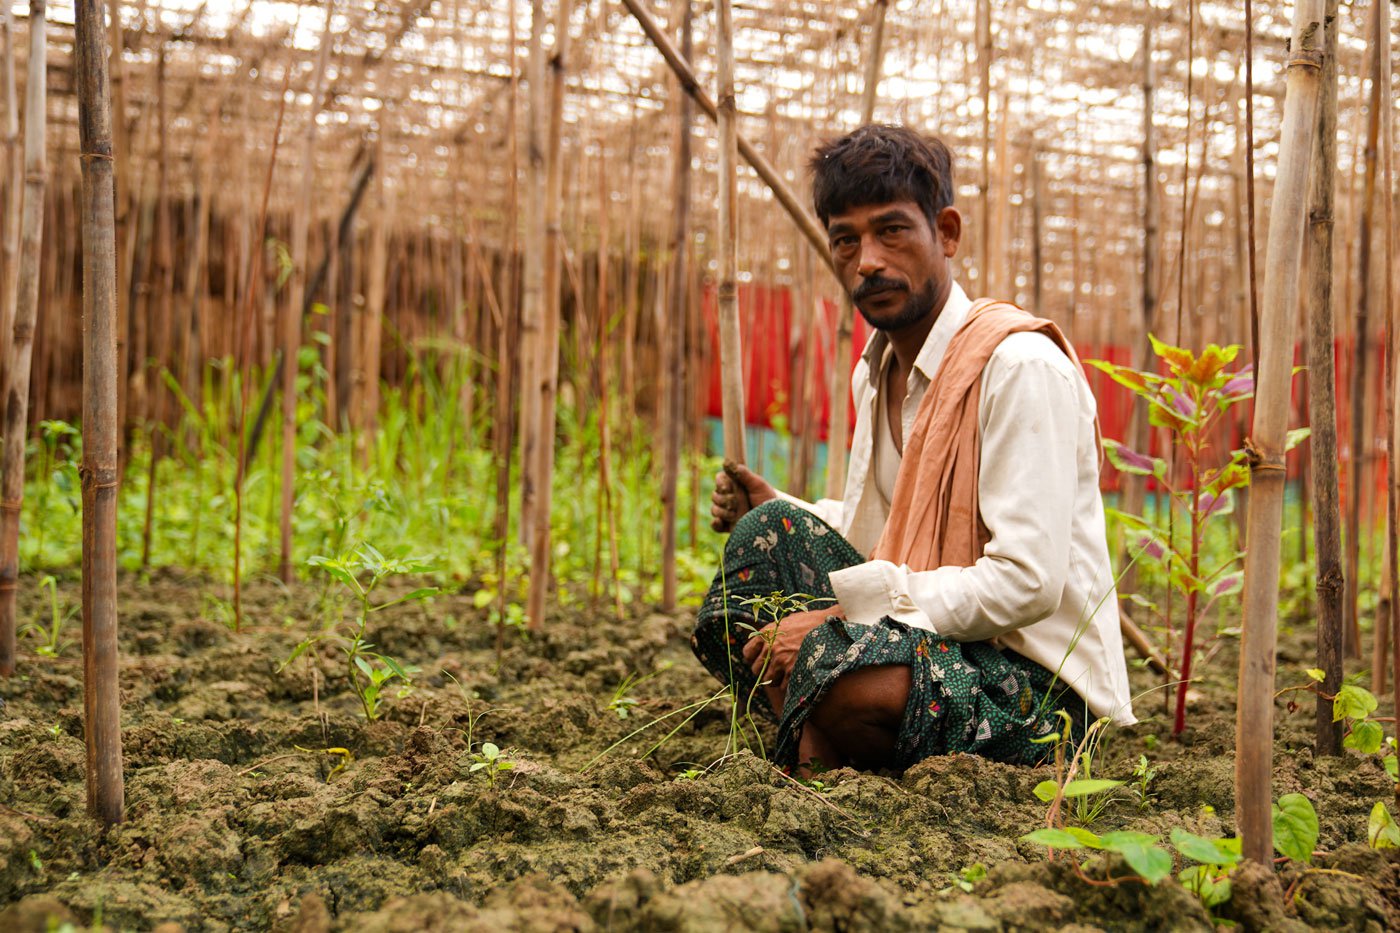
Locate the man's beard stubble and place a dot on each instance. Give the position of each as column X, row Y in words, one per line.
column 917, row 306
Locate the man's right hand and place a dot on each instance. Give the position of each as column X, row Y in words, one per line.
column 737, row 490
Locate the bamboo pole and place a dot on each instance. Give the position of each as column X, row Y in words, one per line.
column 1255, row 726
column 1360, row 377
column 291, row 315
column 782, row 192
column 1387, row 107
column 506, row 340
column 532, row 292
column 731, row 349
column 102, row 700
column 838, row 428
column 20, row 347
column 1322, row 401
column 674, row 361
column 14, row 186
column 548, row 371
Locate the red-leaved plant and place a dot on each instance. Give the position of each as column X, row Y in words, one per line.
column 1190, row 403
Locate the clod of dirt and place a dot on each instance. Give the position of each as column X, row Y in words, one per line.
column 38, row 913
column 1256, row 901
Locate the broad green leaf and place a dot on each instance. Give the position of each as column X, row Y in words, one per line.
column 1046, row 791
column 1392, row 767
column 1085, row 788
column 1121, row 837
column 363, row 665
column 1090, row 839
column 490, row 750
column 1317, row 674
column 1365, row 737
column 1295, row 828
column 1054, row 838
column 1152, row 863
column 1201, row 881
column 1201, row 849
column 1381, row 831
column 1296, row 437
column 477, row 767
column 483, row 598
column 1353, row 702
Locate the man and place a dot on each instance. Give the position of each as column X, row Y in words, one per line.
column 986, row 605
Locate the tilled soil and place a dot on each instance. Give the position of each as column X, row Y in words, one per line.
column 237, row 819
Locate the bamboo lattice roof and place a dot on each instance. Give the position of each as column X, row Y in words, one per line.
column 435, row 77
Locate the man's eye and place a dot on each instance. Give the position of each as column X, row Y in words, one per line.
column 845, row 243
column 893, row 230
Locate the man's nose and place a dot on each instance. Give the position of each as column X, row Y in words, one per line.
column 872, row 257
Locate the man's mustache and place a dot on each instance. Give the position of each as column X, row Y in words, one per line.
column 877, row 284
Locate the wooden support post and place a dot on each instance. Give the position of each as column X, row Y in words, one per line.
column 731, row 349
column 101, row 697
column 292, row 314
column 673, row 405
column 20, row 347
column 801, row 215
column 1322, row 401
column 14, row 186
column 1255, row 717
column 548, row 372
column 532, row 286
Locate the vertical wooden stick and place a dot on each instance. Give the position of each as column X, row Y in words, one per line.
column 673, row 366
column 548, row 373
column 291, row 320
column 532, row 291
column 730, row 345
column 506, row 340
column 20, row 348
column 14, row 186
column 1254, row 732
column 1322, row 401
column 101, row 697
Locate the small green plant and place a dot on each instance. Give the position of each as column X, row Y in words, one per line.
column 622, row 701
column 1143, row 776
column 50, row 635
column 1189, row 402
column 362, row 572
column 491, row 760
column 690, row 774
column 965, row 879
column 1381, row 831
column 58, row 439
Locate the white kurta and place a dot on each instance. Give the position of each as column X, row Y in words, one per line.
column 1044, row 586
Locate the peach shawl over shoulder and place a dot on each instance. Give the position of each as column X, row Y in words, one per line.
column 934, row 519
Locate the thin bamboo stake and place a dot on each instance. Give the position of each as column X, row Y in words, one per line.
column 291, row 315
column 1255, row 726
column 101, row 697
column 375, row 301
column 1322, row 402
column 674, row 360
column 160, row 326
column 731, row 351
column 680, row 65
column 548, row 372
column 21, row 346
column 1383, row 54
column 14, row 186
column 507, row 338
column 532, row 292
column 1360, row 377
column 838, row 429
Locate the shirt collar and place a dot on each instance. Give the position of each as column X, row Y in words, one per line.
column 950, row 319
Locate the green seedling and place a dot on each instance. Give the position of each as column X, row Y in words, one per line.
column 690, row 774
column 1381, row 830
column 622, row 701
column 50, row 635
column 362, row 572
column 965, row 879
column 491, row 760
column 1143, row 776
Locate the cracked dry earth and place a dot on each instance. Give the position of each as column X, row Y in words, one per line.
column 232, row 826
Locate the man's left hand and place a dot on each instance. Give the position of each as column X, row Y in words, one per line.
column 776, row 645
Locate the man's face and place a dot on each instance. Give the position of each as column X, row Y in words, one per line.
column 893, row 263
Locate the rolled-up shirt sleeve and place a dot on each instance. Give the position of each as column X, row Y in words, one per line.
column 828, row 510
column 1029, row 418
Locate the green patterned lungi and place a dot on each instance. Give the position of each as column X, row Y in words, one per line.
column 965, row 696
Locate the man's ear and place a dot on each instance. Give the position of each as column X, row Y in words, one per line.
column 949, row 226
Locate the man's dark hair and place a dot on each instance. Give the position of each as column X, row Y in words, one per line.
column 880, row 163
